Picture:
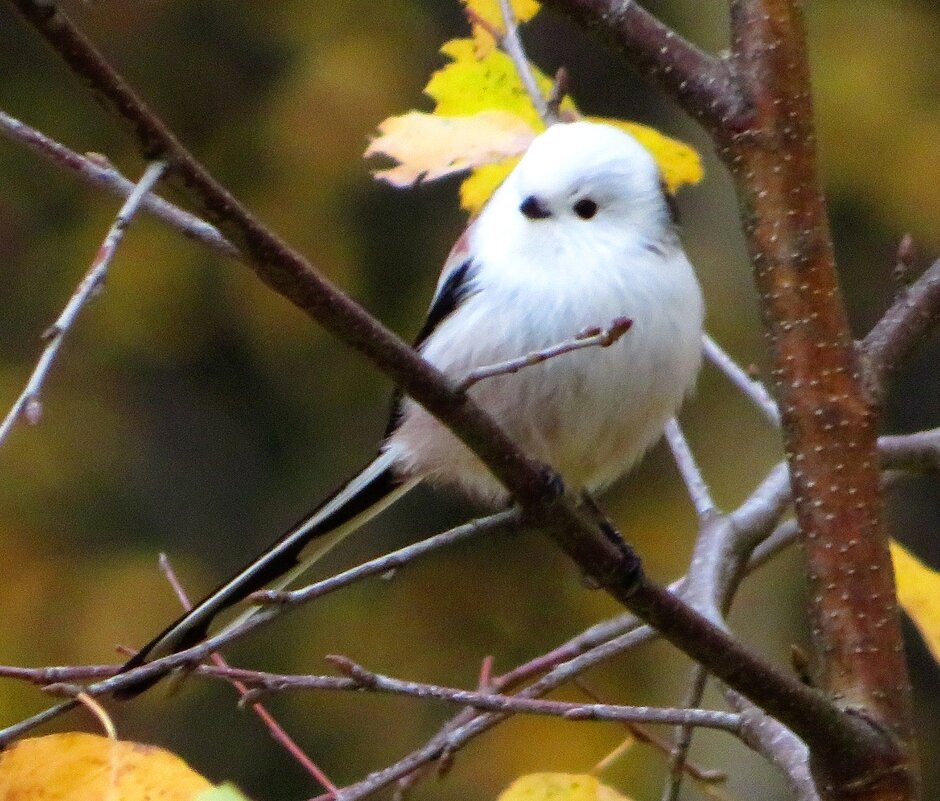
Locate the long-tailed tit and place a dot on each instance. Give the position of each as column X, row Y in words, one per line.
column 580, row 233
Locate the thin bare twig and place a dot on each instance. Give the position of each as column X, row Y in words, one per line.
column 96, row 171
column 751, row 388
column 100, row 714
column 358, row 678
column 695, row 483
column 557, row 95
column 641, row 734
column 590, row 338
column 682, row 738
column 915, row 312
column 56, row 674
column 278, row 602
column 274, row 728
column 499, row 522
column 905, row 258
column 511, row 43
column 28, row 403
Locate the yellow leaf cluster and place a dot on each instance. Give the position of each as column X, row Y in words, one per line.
column 559, row 787
column 919, row 594
column 483, row 119
column 84, row 767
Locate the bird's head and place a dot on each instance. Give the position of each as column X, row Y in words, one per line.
column 580, row 185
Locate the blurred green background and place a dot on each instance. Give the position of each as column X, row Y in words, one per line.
column 194, row 412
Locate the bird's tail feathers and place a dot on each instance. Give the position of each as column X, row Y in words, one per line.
column 355, row 503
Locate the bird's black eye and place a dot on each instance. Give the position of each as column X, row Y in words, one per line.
column 533, row 208
column 585, row 208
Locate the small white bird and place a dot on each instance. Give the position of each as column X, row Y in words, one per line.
column 580, row 233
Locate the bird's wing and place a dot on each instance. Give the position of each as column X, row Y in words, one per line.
column 454, row 286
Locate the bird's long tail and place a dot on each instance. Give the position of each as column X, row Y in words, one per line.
column 350, row 507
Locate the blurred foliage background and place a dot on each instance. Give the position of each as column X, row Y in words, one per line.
column 194, row 412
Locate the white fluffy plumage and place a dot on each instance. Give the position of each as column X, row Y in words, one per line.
column 535, row 282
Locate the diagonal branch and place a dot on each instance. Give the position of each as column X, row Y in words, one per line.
column 28, row 402
column 590, row 338
column 705, row 506
column 358, row 678
column 511, row 43
column 276, row 730
column 750, row 387
column 702, row 84
column 915, row 312
column 100, row 173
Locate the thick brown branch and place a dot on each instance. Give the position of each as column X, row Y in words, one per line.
column 764, row 131
column 701, row 83
column 829, row 427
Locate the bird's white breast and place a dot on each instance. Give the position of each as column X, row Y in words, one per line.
column 591, row 413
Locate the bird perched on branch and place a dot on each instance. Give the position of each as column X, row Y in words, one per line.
column 579, row 234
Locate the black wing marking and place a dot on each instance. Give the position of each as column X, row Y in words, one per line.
column 455, row 289
column 452, row 292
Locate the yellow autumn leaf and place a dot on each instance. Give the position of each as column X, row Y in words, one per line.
column 919, row 594
column 75, row 766
column 468, row 84
column 678, row 163
column 559, row 787
column 476, row 190
column 428, row 147
column 486, row 17
column 482, row 119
